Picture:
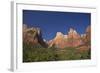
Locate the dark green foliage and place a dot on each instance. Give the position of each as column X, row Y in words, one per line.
column 86, row 54
column 38, row 53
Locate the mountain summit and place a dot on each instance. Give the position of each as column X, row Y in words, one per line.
column 73, row 39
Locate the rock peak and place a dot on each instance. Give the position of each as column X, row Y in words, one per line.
column 72, row 31
column 59, row 34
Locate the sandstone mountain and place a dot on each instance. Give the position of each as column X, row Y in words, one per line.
column 86, row 38
column 58, row 41
column 33, row 36
column 73, row 39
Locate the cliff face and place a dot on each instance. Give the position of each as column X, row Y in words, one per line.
column 59, row 40
column 33, row 36
column 86, row 38
column 74, row 39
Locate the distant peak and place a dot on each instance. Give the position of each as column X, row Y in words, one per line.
column 59, row 34
column 71, row 30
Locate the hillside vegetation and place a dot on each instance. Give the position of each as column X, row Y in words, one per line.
column 38, row 53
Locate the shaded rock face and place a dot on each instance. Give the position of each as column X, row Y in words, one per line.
column 88, row 34
column 86, row 38
column 33, row 36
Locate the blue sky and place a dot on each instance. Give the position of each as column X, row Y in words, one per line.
column 51, row 22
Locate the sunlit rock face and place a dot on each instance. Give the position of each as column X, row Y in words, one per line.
column 73, row 39
column 59, row 40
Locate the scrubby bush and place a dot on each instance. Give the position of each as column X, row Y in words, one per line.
column 38, row 53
